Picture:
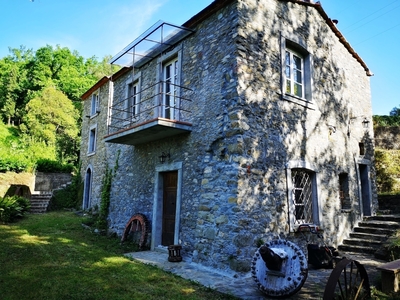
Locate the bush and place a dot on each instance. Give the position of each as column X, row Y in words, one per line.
column 387, row 170
column 13, row 207
column 12, row 165
column 69, row 197
column 52, row 166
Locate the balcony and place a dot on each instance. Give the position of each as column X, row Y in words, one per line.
column 150, row 115
column 158, row 110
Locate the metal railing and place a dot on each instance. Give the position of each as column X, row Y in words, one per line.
column 160, row 100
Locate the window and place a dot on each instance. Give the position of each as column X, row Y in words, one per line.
column 302, row 194
column 132, row 101
column 361, row 148
column 92, row 140
column 344, row 191
column 170, row 102
column 294, row 73
column 94, row 104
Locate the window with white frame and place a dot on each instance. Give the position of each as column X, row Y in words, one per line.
column 170, row 96
column 132, row 100
column 296, row 72
column 92, row 140
column 94, row 104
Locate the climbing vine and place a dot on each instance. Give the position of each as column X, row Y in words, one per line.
column 105, row 194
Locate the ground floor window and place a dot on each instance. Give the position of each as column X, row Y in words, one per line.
column 344, row 191
column 302, row 194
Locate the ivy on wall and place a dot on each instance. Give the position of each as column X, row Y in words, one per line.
column 101, row 222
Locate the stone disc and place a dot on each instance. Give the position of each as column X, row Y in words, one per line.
column 293, row 273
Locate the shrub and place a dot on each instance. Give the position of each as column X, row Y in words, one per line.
column 52, row 166
column 387, row 170
column 13, row 207
column 69, row 197
column 11, row 164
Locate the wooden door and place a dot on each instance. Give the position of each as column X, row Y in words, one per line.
column 170, row 180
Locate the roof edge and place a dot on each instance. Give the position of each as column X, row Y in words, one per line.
column 339, row 35
column 206, row 12
column 218, row 4
column 95, row 87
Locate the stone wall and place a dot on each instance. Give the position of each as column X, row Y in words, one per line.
column 49, row 181
column 246, row 137
column 387, row 137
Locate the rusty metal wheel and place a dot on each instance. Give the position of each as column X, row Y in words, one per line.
column 348, row 280
column 138, row 223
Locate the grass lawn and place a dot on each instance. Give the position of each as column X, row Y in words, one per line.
column 51, row 256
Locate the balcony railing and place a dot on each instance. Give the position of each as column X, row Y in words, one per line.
column 159, row 107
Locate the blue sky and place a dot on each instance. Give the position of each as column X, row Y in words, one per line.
column 104, row 27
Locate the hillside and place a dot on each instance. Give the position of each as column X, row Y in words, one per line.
column 18, row 152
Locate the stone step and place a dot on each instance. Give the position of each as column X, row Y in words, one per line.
column 357, row 249
column 366, row 236
column 362, row 242
column 392, row 218
column 374, row 230
column 370, row 234
column 40, row 202
column 380, row 224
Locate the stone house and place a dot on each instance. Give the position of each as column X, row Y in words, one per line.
column 251, row 118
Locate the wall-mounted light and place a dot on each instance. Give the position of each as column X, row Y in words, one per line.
column 365, row 123
column 332, row 129
column 164, row 156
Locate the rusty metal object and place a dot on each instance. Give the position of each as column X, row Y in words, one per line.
column 137, row 223
column 348, row 280
column 279, row 268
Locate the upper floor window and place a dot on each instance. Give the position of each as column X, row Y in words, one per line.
column 92, row 140
column 132, row 100
column 170, row 97
column 94, row 104
column 294, row 73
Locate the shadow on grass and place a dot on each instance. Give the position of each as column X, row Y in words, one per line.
column 52, row 256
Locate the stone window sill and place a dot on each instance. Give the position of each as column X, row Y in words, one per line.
column 299, row 101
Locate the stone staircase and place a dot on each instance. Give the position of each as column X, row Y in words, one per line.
column 40, row 202
column 370, row 234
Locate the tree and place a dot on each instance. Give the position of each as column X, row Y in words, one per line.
column 13, row 79
column 395, row 112
column 28, row 79
column 51, row 117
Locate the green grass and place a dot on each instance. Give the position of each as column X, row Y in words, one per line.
column 52, row 256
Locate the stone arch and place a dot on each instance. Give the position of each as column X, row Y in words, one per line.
column 87, row 191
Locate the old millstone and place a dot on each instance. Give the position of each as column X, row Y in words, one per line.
column 287, row 271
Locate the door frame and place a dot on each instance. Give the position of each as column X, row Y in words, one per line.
column 87, row 189
column 364, row 186
column 156, row 230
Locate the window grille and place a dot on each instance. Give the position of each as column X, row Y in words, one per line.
column 344, row 191
column 302, row 196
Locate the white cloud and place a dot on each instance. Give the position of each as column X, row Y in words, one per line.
column 128, row 21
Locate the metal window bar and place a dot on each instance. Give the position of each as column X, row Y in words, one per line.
column 149, row 107
column 302, row 196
